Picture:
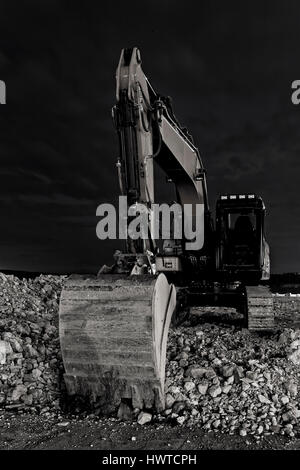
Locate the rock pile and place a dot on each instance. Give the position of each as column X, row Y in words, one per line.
column 218, row 377
column 30, row 359
column 228, row 380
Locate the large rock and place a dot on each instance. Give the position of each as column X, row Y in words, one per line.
column 226, row 389
column 28, row 399
column 264, row 399
column 292, row 388
column 210, row 373
column 144, row 418
column 30, row 351
column 202, row 388
column 170, row 400
column 189, row 386
column 214, row 391
column 227, row 371
column 18, row 392
column 238, row 373
column 178, row 407
column 294, row 357
column 5, row 349
column 16, row 345
column 181, row 419
column 36, row 374
column 196, row 372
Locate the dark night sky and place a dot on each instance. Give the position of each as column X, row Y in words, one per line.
column 227, row 65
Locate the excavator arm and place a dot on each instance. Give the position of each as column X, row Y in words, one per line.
column 149, row 131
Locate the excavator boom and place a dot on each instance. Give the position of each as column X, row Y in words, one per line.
column 149, row 131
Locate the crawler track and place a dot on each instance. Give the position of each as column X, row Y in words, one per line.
column 260, row 310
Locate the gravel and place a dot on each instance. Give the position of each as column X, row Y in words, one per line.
column 30, row 360
column 244, row 383
column 219, row 377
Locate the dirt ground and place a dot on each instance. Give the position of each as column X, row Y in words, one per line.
column 38, row 432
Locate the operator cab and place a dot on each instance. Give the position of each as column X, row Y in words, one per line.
column 240, row 236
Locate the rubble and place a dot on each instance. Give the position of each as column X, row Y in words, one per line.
column 243, row 383
column 30, row 359
column 219, row 377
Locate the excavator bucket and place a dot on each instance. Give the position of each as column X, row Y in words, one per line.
column 113, row 336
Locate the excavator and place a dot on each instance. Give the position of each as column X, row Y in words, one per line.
column 114, row 325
